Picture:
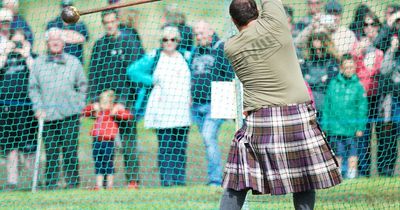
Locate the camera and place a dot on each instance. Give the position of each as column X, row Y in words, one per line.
column 328, row 21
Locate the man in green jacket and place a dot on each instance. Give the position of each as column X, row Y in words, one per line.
column 345, row 114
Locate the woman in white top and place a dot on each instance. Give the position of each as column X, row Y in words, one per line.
column 167, row 72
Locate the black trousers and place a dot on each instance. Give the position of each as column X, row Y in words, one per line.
column 387, row 134
column 18, row 128
column 364, row 143
column 61, row 137
column 172, row 144
column 127, row 131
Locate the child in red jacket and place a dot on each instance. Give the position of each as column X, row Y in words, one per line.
column 104, row 132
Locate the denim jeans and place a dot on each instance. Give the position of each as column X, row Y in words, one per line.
column 103, row 155
column 209, row 129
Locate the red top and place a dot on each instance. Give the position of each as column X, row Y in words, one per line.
column 367, row 74
column 105, row 128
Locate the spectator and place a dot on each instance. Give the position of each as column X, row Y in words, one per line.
column 128, row 21
column 368, row 63
column 357, row 25
column 111, row 55
column 391, row 28
column 104, row 132
column 168, row 108
column 174, row 17
column 18, row 21
column 345, row 114
column 75, row 34
column 388, row 130
column 319, row 67
column 208, row 64
column 6, row 45
column 17, row 124
column 390, row 9
column 57, row 88
column 314, row 9
column 343, row 38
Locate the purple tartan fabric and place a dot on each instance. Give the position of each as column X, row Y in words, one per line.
column 281, row 150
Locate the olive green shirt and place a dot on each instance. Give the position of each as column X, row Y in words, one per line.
column 264, row 59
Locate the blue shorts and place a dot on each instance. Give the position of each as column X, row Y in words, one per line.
column 103, row 155
column 344, row 146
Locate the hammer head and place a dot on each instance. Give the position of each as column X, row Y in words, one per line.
column 70, row 15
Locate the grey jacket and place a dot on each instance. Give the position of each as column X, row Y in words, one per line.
column 58, row 87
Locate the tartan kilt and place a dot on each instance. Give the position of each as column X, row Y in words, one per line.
column 281, row 150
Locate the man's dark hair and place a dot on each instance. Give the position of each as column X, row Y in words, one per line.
column 107, row 12
column 243, row 11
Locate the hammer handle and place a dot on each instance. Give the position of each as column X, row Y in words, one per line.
column 115, row 6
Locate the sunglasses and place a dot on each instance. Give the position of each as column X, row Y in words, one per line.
column 370, row 24
column 166, row 40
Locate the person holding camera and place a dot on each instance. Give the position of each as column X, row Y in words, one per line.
column 17, row 124
column 18, row 22
column 313, row 9
column 342, row 37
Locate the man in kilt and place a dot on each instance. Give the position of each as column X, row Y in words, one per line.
column 281, row 148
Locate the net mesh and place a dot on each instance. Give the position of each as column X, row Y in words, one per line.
column 128, row 124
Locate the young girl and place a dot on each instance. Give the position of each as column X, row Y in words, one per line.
column 345, row 114
column 104, row 132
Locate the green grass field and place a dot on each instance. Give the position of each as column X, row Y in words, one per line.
column 374, row 193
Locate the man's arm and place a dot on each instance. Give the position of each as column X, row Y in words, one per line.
column 93, row 67
column 362, row 108
column 34, row 87
column 73, row 37
column 273, row 9
column 77, row 36
column 22, row 23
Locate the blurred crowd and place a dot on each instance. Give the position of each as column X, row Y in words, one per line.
column 353, row 75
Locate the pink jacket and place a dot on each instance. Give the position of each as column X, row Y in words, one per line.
column 367, row 73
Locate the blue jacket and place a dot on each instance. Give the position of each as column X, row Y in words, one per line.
column 141, row 72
